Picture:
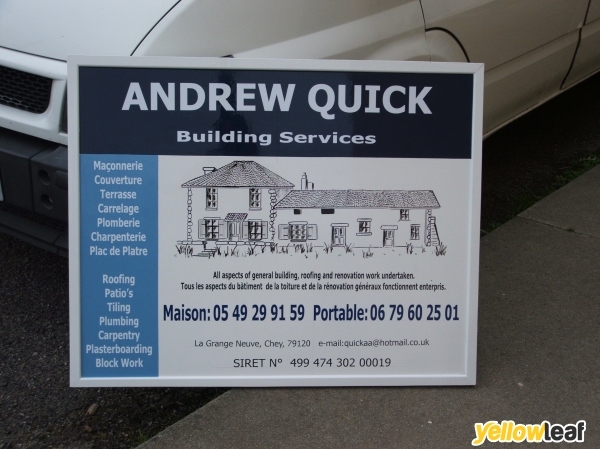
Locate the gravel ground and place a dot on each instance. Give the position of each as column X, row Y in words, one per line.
column 39, row 410
column 37, row 407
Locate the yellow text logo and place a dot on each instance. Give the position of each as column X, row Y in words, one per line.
column 509, row 432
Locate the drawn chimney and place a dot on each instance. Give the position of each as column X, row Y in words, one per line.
column 208, row 170
column 305, row 185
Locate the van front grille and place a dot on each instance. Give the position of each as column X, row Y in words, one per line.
column 25, row 91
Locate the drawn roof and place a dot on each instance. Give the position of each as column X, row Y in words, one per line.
column 332, row 199
column 235, row 217
column 240, row 174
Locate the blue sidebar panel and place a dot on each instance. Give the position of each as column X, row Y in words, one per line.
column 119, row 265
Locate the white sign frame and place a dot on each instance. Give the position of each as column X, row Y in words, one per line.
column 468, row 377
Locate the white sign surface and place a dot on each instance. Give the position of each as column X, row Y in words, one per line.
column 273, row 223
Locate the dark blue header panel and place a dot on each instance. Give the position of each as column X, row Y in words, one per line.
column 275, row 113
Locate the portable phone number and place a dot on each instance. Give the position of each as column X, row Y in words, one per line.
column 297, row 312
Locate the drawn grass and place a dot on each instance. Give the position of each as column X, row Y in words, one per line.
column 226, row 251
column 440, row 250
column 253, row 249
column 303, row 248
column 186, row 250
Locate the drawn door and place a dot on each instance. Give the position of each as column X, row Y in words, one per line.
column 233, row 230
column 338, row 236
column 388, row 237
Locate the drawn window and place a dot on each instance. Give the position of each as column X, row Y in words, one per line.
column 298, row 232
column 255, row 198
column 211, row 198
column 255, row 229
column 364, row 226
column 414, row 232
column 404, row 215
column 211, row 226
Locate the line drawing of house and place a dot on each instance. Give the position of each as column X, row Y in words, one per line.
column 247, row 204
column 239, row 186
column 372, row 207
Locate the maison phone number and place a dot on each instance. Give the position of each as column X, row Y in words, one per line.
column 298, row 312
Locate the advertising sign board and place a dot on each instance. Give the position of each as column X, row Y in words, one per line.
column 273, row 222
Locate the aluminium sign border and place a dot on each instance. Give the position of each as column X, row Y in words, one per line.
column 467, row 376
